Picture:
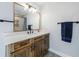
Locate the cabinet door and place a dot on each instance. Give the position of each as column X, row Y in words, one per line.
column 20, row 53
column 45, row 44
column 38, row 47
column 46, row 41
column 23, row 52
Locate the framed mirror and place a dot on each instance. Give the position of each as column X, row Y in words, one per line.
column 24, row 17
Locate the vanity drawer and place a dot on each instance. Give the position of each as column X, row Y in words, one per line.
column 21, row 43
column 37, row 38
column 19, row 53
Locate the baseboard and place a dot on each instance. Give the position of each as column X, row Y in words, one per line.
column 59, row 53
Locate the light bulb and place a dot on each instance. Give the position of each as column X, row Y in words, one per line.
column 31, row 9
column 34, row 10
column 25, row 7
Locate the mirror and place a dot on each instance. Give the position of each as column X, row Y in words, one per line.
column 24, row 17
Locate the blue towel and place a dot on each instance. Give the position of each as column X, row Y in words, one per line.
column 66, row 31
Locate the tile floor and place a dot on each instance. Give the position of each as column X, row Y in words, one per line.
column 50, row 54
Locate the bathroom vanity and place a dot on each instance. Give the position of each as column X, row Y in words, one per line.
column 34, row 46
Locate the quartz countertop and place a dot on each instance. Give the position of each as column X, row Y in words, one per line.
column 15, row 37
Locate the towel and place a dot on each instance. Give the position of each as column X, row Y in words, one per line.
column 66, row 31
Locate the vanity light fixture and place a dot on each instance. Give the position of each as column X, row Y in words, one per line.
column 29, row 8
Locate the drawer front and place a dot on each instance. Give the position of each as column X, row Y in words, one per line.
column 21, row 43
column 20, row 53
column 24, row 52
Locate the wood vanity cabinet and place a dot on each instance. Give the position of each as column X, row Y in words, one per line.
column 34, row 47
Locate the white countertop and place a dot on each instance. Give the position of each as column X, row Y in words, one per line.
column 18, row 36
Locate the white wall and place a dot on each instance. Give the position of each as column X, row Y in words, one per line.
column 59, row 12
column 6, row 13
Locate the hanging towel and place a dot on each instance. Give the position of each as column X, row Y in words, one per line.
column 66, row 31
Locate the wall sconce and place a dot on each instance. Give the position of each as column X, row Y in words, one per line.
column 33, row 10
